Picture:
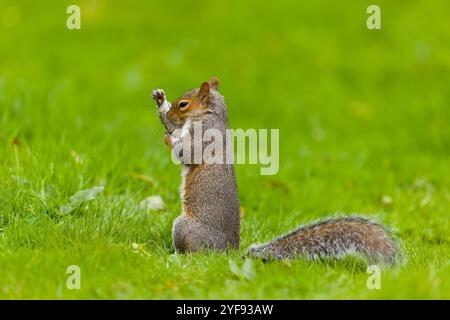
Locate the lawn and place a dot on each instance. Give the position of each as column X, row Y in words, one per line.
column 364, row 128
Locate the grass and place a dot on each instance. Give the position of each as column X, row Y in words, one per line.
column 363, row 115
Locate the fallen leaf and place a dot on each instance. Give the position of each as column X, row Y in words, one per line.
column 245, row 272
column 152, row 203
column 79, row 159
column 81, row 197
column 16, row 142
column 142, row 177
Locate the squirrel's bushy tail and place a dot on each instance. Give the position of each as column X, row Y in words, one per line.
column 334, row 238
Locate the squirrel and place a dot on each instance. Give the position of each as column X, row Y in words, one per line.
column 210, row 218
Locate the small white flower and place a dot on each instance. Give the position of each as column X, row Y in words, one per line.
column 387, row 200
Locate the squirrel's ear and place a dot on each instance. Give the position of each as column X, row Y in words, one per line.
column 204, row 91
column 214, row 83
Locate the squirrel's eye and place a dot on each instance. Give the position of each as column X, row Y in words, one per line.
column 183, row 104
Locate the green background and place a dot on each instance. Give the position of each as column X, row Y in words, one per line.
column 363, row 116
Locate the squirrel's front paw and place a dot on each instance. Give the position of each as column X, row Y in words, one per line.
column 168, row 140
column 159, row 96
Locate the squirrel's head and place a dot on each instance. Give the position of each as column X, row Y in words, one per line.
column 194, row 103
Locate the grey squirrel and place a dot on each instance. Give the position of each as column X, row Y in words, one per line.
column 210, row 218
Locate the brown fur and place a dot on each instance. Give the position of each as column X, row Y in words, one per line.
column 210, row 215
column 211, row 218
column 334, row 238
column 196, row 104
column 189, row 181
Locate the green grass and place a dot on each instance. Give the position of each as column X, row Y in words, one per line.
column 362, row 115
